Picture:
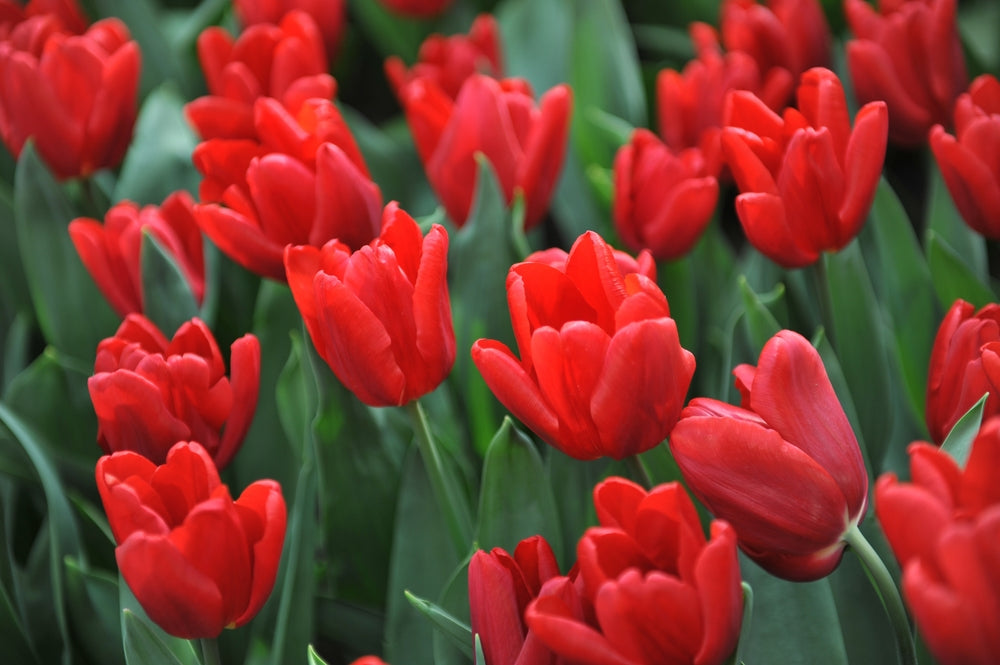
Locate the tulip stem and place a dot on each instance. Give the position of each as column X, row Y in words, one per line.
column 210, row 651
column 884, row 585
column 639, row 472
column 454, row 506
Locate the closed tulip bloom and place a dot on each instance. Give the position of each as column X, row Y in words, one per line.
column 601, row 372
column 807, row 179
column 67, row 14
column 964, row 366
column 417, row 8
column 112, row 251
column 910, row 55
column 380, row 316
column 524, row 143
column 970, row 160
column 784, row 469
column 330, row 16
column 75, row 96
column 662, row 201
column 652, row 589
column 448, row 61
column 285, row 61
column 149, row 393
column 500, row 588
column 944, row 527
column 196, row 560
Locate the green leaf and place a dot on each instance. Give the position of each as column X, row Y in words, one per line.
column 71, row 311
column 458, row 632
column 952, row 276
column 537, row 38
column 13, row 285
column 516, row 499
column 758, row 319
column 391, row 34
column 166, row 295
column 93, row 609
column 314, row 658
column 16, row 646
column 359, row 628
column 958, row 443
column 142, row 645
column 946, row 223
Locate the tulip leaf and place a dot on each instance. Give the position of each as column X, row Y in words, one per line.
column 537, row 36
column 758, row 319
column 944, row 221
column 142, row 645
column 454, row 600
column 958, row 443
column 15, row 346
column 361, row 628
column 390, row 33
column 16, row 647
column 13, row 285
column 93, row 608
column 906, row 290
column 516, row 499
column 71, row 311
column 314, row 658
column 745, row 625
column 158, row 162
column 458, row 632
column 952, row 276
column 166, row 295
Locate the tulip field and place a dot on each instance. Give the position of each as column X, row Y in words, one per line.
column 499, row 332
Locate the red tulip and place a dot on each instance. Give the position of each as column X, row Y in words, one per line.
column 944, row 528
column 369, row 660
column 417, row 8
column 285, row 61
column 652, row 590
column 330, row 16
column 304, row 182
column 785, row 469
column 75, row 96
column 380, row 316
column 807, row 180
column 524, row 144
column 964, row 366
column 690, row 103
column 500, row 588
column 642, row 263
column 909, row 55
column 196, row 560
column 67, row 16
column 970, row 161
column 602, row 371
column 449, row 61
column 662, row 201
column 150, row 393
column 111, row 251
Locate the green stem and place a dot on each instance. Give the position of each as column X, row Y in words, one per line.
column 638, row 471
column 210, row 651
column 453, row 505
column 884, row 585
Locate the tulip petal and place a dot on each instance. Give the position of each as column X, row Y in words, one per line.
column 262, row 512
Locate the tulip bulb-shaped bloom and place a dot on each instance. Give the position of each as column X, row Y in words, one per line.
column 964, row 366
column 330, row 16
column 662, row 201
column 380, row 317
column 602, row 371
column 150, row 393
column 524, row 143
column 807, row 179
column 112, row 251
column 944, row 528
column 196, row 560
column 74, row 94
column 784, row 469
column 970, row 160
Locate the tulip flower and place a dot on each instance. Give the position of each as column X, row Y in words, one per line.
column 602, row 371
column 330, row 16
column 368, row 660
column 111, row 251
column 910, row 55
column 417, row 8
column 662, row 201
column 964, row 366
column 968, row 160
column 524, row 144
column 285, row 61
column 807, row 179
column 380, row 316
column 75, row 96
column 642, row 263
column 659, row 592
column 196, row 560
column 149, row 393
column 304, row 182
column 449, row 61
column 943, row 528
column 67, row 14
column 500, row 588
column 784, row 469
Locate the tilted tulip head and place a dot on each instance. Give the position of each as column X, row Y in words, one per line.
column 785, row 469
column 602, row 371
column 196, row 560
